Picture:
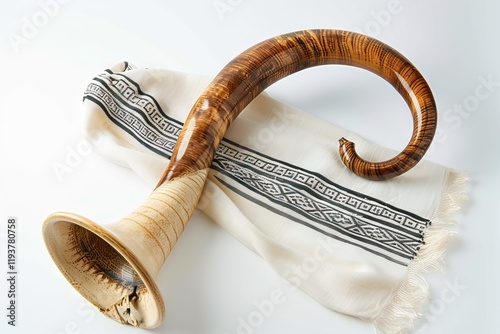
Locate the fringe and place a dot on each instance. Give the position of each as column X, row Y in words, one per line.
column 403, row 308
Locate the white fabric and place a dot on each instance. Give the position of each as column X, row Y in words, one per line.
column 279, row 187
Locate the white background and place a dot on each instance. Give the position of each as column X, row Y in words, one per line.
column 210, row 279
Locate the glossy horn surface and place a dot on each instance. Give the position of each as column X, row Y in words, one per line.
column 115, row 266
column 247, row 75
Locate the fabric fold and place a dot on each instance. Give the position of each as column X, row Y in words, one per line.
column 278, row 186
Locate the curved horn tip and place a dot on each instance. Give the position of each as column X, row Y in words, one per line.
column 342, row 141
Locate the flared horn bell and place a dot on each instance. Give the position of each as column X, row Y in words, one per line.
column 115, row 267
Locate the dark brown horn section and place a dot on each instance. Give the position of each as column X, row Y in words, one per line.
column 257, row 68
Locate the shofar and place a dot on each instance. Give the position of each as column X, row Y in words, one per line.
column 115, row 267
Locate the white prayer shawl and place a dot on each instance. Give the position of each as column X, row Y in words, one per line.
column 278, row 186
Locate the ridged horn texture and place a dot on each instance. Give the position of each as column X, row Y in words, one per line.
column 257, row 68
column 115, row 266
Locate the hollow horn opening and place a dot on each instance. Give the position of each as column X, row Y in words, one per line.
column 103, row 270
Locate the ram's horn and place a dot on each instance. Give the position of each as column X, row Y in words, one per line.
column 115, row 266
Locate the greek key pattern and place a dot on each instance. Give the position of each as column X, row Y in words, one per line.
column 137, row 113
column 369, row 226
column 314, row 200
column 321, row 187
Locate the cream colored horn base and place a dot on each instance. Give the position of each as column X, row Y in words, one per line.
column 115, row 267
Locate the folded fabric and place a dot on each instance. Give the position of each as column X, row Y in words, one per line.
column 278, row 186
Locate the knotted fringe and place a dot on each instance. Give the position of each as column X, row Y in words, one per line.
column 403, row 308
